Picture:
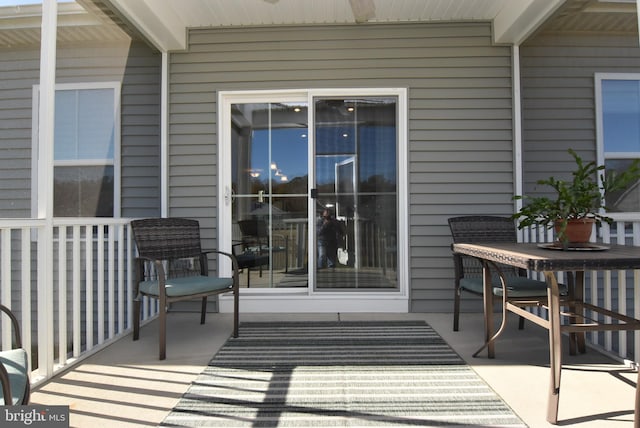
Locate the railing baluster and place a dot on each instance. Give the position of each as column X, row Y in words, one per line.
column 5, row 279
column 130, row 256
column 111, row 282
column 88, row 239
column 25, row 289
column 62, row 295
column 100, row 284
column 76, row 295
column 121, row 296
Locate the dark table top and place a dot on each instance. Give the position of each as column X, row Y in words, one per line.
column 533, row 257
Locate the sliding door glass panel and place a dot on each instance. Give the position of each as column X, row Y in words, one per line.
column 356, row 142
column 270, row 186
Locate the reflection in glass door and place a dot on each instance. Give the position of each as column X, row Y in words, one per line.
column 269, row 159
column 356, row 141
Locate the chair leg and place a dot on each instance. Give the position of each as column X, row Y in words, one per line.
column 456, row 309
column 203, row 312
column 236, row 309
column 162, row 333
column 521, row 323
column 136, row 319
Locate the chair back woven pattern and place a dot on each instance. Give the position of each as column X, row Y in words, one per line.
column 481, row 229
column 167, row 238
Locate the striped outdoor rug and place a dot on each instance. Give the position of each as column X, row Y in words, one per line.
column 333, row 374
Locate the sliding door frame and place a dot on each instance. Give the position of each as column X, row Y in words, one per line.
column 308, row 299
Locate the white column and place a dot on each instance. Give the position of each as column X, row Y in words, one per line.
column 164, row 137
column 45, row 186
column 517, row 123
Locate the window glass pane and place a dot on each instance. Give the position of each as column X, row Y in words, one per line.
column 84, row 124
column 627, row 200
column 96, row 124
column 66, row 126
column 621, row 115
column 86, row 191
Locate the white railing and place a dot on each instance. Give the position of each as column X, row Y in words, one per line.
column 615, row 290
column 70, row 284
column 73, row 293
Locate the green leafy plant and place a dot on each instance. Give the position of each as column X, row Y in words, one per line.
column 582, row 197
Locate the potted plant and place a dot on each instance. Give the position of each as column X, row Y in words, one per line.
column 577, row 203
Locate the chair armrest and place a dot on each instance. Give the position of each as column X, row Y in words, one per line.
column 6, row 386
column 234, row 261
column 15, row 325
column 162, row 276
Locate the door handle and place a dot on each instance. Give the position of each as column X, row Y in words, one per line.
column 261, row 196
column 227, row 195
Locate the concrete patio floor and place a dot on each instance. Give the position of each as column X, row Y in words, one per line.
column 125, row 385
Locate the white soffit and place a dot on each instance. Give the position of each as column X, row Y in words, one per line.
column 165, row 22
column 518, row 19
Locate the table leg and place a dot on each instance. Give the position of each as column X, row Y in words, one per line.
column 573, row 338
column 555, row 347
column 489, row 337
column 578, row 296
column 488, row 310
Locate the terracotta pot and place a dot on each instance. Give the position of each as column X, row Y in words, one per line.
column 577, row 231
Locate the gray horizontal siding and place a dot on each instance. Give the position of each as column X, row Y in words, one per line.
column 558, row 98
column 459, row 112
column 136, row 68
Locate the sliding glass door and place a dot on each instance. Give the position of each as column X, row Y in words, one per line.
column 310, row 189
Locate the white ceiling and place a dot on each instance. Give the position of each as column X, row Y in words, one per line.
column 165, row 22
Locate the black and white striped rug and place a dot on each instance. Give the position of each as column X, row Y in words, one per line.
column 339, row 374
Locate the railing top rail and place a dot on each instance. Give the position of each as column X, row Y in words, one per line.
column 16, row 223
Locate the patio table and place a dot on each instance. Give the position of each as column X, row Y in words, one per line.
column 541, row 258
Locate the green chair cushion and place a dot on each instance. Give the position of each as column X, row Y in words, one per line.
column 15, row 362
column 517, row 286
column 188, row 285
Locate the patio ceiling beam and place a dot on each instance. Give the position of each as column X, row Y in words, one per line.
column 157, row 21
column 519, row 19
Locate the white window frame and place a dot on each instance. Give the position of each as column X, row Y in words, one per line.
column 36, row 194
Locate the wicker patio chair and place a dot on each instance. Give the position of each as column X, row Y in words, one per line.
column 172, row 267
column 254, row 250
column 468, row 270
column 14, row 368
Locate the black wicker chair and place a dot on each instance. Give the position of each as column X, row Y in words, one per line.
column 255, row 251
column 14, row 368
column 172, row 267
column 468, row 271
